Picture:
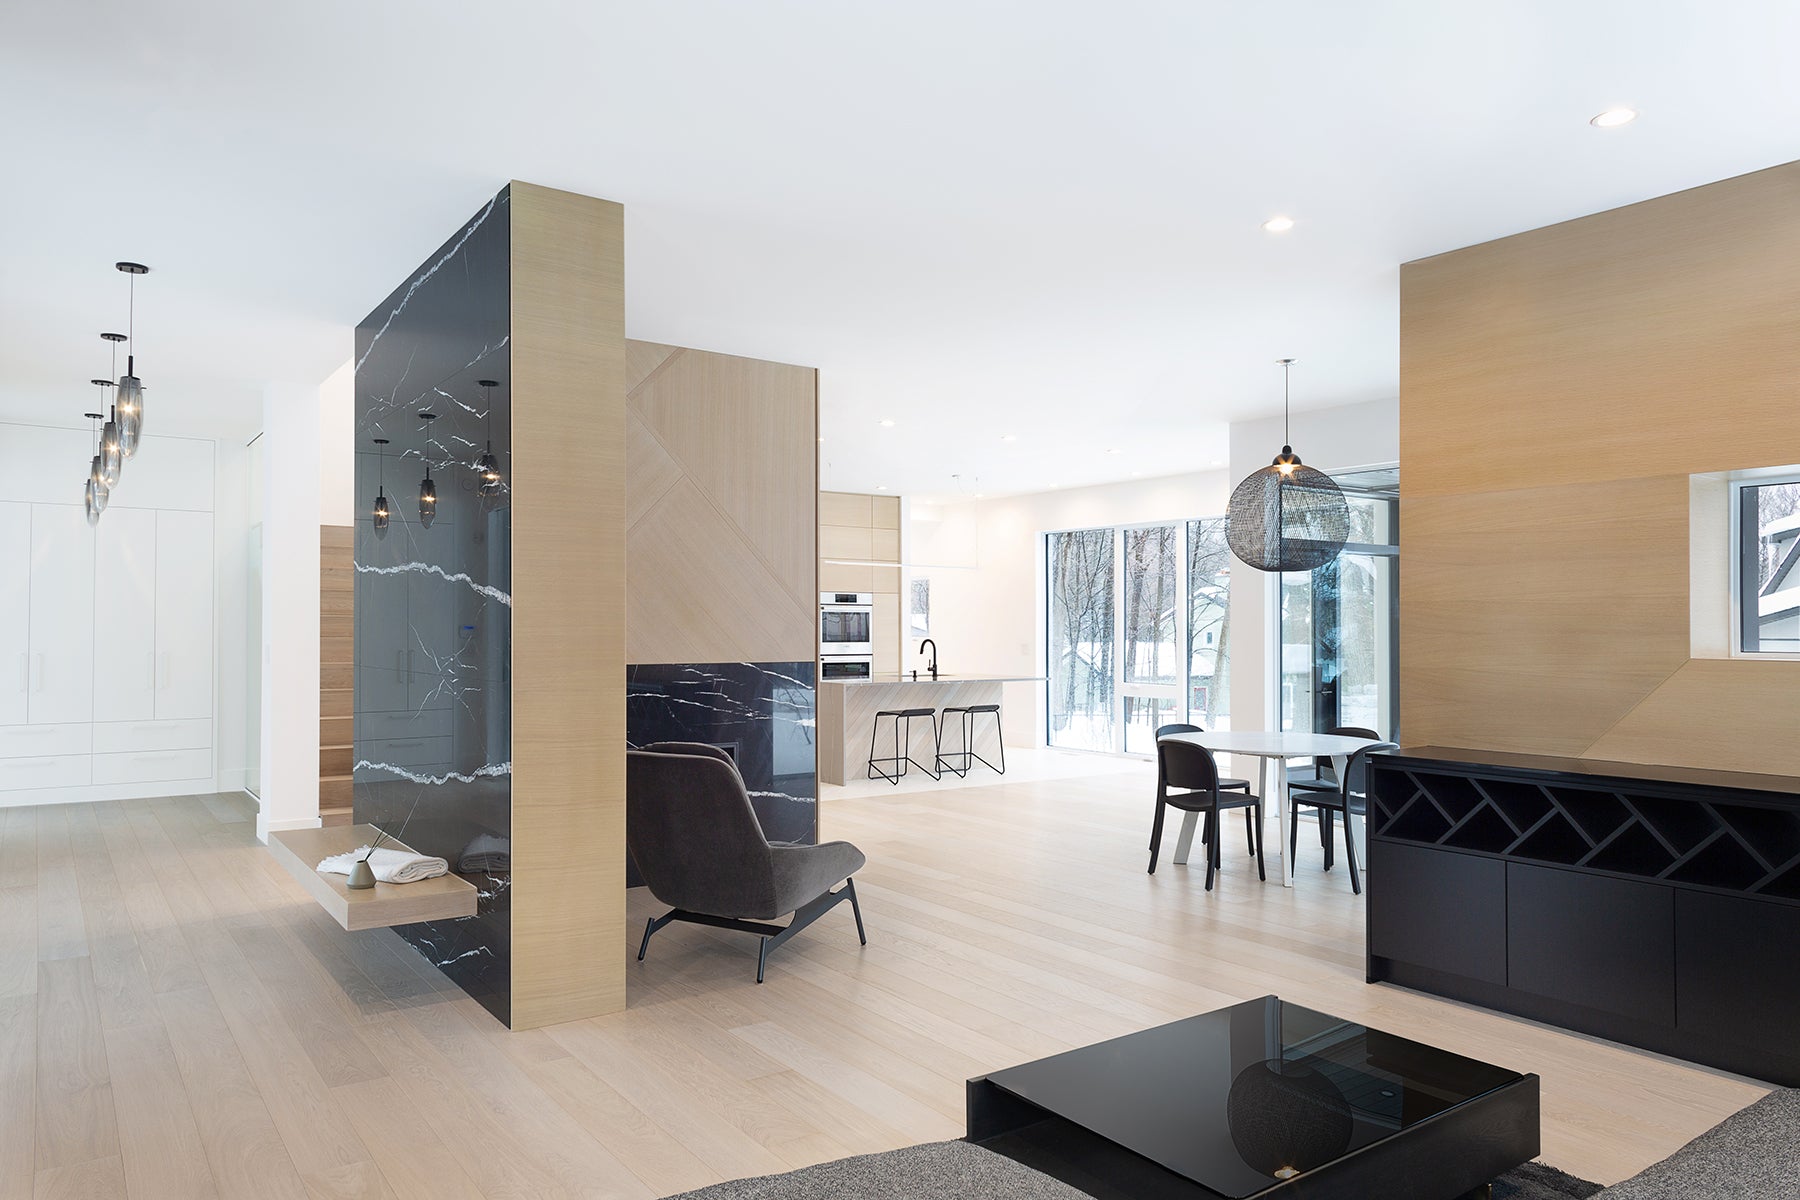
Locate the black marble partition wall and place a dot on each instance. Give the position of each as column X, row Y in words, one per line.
column 763, row 714
column 433, row 595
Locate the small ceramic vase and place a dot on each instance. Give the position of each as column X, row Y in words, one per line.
column 360, row 875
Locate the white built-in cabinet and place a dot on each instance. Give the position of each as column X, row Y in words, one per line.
column 106, row 634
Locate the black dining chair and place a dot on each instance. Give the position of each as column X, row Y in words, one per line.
column 1228, row 784
column 1351, row 799
column 1187, row 778
column 1321, row 776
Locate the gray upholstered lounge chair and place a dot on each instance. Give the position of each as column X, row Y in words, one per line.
column 697, row 843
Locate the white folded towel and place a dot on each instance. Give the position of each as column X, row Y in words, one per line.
column 390, row 866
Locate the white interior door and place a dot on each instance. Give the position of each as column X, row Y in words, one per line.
column 62, row 615
column 125, row 615
column 15, row 612
column 184, row 615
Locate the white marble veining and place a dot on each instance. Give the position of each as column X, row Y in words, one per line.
column 424, row 277
column 492, row 593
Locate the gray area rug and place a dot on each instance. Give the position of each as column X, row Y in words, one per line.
column 959, row 1171
column 1751, row 1155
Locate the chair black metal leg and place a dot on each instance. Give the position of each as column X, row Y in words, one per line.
column 1156, row 827
column 1293, row 829
column 1000, row 740
column 1250, row 832
column 1261, row 872
column 856, row 908
column 650, row 927
column 762, row 958
column 1328, row 834
column 1350, row 856
column 1212, row 847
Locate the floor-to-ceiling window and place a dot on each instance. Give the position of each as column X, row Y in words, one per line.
column 1081, row 638
column 1339, row 662
column 1138, row 622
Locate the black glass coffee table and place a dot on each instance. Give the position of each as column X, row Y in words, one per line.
column 1263, row 1099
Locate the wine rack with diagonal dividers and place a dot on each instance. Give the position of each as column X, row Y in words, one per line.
column 1734, row 845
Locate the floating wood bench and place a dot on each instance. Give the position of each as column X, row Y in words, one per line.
column 301, row 851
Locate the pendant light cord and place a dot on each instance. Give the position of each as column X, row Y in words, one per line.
column 1286, row 438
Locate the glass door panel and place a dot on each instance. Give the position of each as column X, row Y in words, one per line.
column 1081, row 581
column 1208, row 626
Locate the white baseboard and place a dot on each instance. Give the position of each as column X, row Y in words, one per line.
column 94, row 793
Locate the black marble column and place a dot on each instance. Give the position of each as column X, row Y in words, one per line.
column 433, row 601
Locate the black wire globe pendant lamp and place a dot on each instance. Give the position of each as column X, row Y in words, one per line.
column 130, row 398
column 1287, row 516
column 380, row 514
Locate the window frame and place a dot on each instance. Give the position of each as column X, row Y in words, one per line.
column 1742, row 540
column 1182, row 689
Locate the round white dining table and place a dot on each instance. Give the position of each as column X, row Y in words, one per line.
column 1267, row 747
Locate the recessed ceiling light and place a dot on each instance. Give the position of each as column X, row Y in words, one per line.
column 881, row 487
column 1217, row 463
column 1115, row 451
column 1612, row 118
column 886, row 422
column 1009, row 437
column 1278, row 224
column 1137, row 474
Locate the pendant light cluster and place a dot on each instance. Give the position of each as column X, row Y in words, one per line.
column 116, row 440
column 1287, row 516
column 488, row 480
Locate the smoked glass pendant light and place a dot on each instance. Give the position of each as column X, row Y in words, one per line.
column 427, row 489
column 94, row 492
column 380, row 511
column 1287, row 516
column 130, row 399
column 112, row 449
column 487, row 467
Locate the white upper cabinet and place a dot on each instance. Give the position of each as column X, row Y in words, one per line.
column 184, row 612
column 168, row 473
column 62, row 615
column 15, row 612
column 125, row 587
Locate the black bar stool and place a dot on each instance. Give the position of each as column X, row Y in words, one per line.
column 903, row 743
column 967, row 714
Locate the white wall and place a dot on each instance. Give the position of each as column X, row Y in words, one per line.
column 985, row 559
column 290, row 608
column 337, row 437
column 1330, row 439
column 232, row 518
column 987, row 594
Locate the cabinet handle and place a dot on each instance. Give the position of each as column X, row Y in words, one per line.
column 407, row 745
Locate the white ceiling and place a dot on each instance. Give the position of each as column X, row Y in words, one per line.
column 1037, row 218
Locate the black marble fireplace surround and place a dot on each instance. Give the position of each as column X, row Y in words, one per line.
column 433, row 605
column 763, row 714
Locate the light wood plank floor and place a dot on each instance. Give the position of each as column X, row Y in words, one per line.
column 178, row 1020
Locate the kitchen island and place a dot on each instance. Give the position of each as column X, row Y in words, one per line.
column 847, row 709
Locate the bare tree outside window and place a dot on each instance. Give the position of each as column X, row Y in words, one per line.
column 1209, row 625
column 1081, row 639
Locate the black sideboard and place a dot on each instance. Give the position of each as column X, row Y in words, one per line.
column 1655, row 906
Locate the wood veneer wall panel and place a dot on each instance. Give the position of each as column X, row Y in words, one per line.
column 1558, row 388
column 722, row 479
column 337, row 665
column 568, row 577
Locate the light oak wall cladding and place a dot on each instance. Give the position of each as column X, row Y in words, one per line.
column 865, row 528
column 1557, row 389
column 568, row 606
column 337, row 663
column 721, row 464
